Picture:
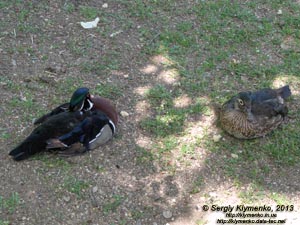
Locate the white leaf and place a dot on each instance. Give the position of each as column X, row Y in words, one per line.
column 91, row 24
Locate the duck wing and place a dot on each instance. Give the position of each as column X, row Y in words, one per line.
column 267, row 94
column 62, row 108
column 53, row 127
column 92, row 132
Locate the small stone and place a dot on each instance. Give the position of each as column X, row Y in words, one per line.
column 279, row 12
column 138, row 222
column 212, row 194
column 124, row 114
column 95, row 189
column 105, row 5
column 66, row 198
column 235, row 156
column 217, row 137
column 167, row 214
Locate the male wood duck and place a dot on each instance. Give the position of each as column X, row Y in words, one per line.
column 90, row 120
column 254, row 114
column 82, row 100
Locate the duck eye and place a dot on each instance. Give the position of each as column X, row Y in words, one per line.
column 240, row 101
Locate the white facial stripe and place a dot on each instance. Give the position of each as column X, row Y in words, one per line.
column 81, row 106
column 91, row 104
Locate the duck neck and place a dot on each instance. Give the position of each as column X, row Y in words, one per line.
column 87, row 105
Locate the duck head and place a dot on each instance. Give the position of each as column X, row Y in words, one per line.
column 243, row 102
column 81, row 100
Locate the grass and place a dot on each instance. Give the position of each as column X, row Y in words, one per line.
column 88, row 12
column 69, row 7
column 54, row 162
column 197, row 184
column 252, row 195
column 108, row 90
column 144, row 156
column 75, row 186
column 230, row 50
column 279, row 198
column 4, row 222
column 10, row 204
column 101, row 67
column 112, row 206
column 217, row 48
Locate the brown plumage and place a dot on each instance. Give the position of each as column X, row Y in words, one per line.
column 254, row 114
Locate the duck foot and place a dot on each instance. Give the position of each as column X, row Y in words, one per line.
column 73, row 150
column 55, row 144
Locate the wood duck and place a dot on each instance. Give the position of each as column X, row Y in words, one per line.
column 90, row 120
column 254, row 114
column 82, row 100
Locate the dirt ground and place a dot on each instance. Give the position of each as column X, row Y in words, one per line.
column 44, row 56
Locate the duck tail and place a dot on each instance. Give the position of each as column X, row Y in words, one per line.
column 284, row 91
column 26, row 149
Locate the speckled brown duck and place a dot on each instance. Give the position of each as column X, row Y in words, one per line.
column 255, row 114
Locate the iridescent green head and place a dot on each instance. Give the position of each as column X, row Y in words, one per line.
column 80, row 100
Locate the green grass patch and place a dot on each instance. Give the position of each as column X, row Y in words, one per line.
column 197, row 184
column 11, row 203
column 164, row 125
column 68, row 85
column 4, row 222
column 144, row 156
column 280, row 199
column 112, row 206
column 69, row 7
column 54, row 162
column 252, row 195
column 100, row 67
column 283, row 146
column 75, row 186
column 140, row 9
column 79, row 47
column 159, row 97
column 89, row 12
column 108, row 90
column 166, row 145
column 168, row 119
